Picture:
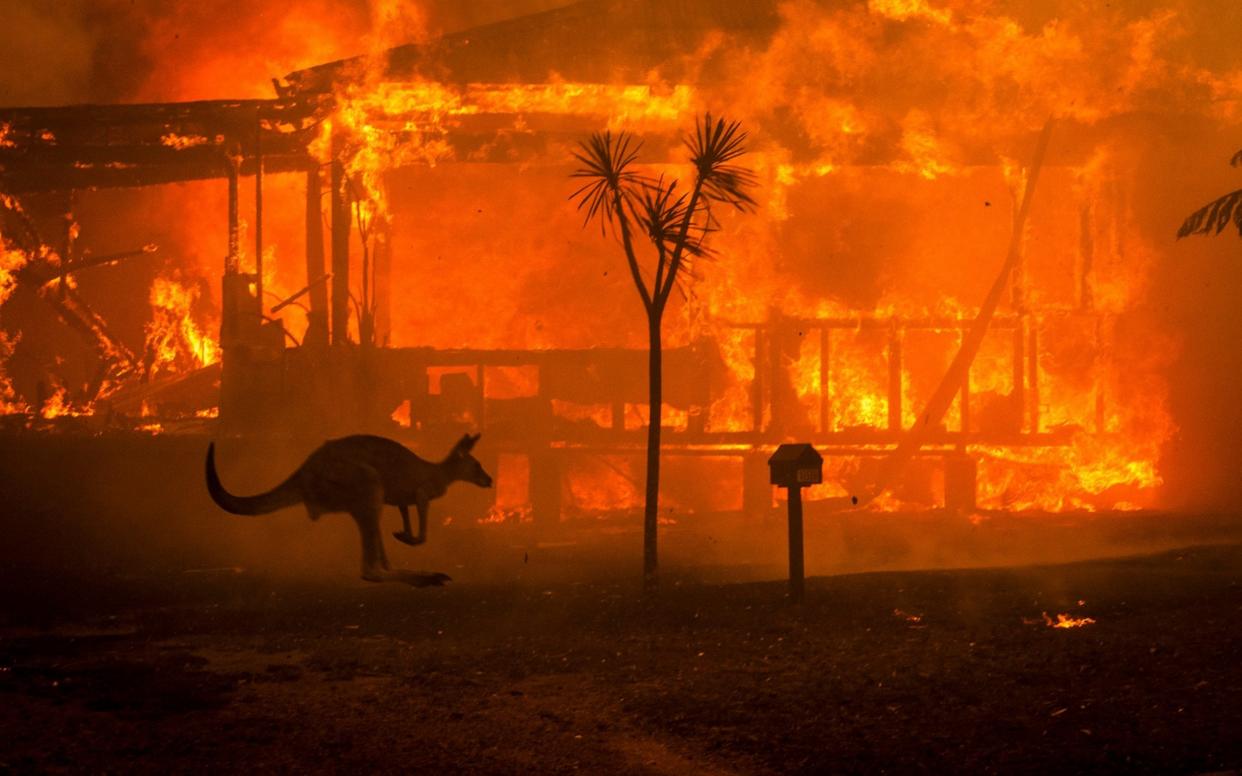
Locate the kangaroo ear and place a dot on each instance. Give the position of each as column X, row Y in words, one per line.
column 465, row 444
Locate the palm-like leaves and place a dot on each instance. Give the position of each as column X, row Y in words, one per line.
column 676, row 222
column 713, row 148
column 662, row 211
column 1213, row 217
column 606, row 166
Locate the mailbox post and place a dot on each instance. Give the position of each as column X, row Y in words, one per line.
column 794, row 467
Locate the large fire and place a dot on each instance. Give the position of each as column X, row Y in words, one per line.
column 892, row 140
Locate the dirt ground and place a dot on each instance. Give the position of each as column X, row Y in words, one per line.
column 142, row 630
column 884, row 672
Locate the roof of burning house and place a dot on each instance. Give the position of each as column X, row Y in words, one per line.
column 601, row 41
column 593, row 41
column 96, row 146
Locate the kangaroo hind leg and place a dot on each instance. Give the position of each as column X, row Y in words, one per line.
column 368, row 502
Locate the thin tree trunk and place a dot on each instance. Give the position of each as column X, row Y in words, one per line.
column 651, row 513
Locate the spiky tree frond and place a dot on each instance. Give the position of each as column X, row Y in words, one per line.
column 1213, row 217
column 662, row 211
column 606, row 166
column 713, row 148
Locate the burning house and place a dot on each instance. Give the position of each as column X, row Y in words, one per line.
column 385, row 243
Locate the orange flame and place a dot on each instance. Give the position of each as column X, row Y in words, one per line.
column 175, row 342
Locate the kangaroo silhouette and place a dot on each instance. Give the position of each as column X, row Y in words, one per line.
column 358, row 475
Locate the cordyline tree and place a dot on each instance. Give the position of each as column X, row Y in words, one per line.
column 1213, row 217
column 676, row 223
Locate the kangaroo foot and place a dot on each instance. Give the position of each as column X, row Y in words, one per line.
column 413, row 578
column 405, row 537
column 423, row 578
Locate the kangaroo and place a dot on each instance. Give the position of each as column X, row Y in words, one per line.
column 359, row 475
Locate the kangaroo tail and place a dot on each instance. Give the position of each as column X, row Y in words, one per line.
column 283, row 495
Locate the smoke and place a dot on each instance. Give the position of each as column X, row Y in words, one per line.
column 47, row 52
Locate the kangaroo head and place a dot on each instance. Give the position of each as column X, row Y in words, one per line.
column 464, row 466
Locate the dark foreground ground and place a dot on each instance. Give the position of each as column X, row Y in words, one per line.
column 943, row 671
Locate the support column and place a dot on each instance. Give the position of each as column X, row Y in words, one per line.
column 1019, row 373
column 230, row 261
column 894, row 380
column 825, row 380
column 1032, row 374
column 965, row 405
column 258, row 210
column 756, row 383
column 230, row 304
column 340, row 250
column 381, row 284
column 314, row 243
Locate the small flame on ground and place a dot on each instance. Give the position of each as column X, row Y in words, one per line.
column 1067, row 621
column 910, row 618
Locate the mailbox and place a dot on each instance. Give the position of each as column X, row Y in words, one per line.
column 796, row 466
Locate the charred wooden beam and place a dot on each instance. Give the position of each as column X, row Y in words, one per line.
column 314, row 244
column 340, row 251
column 311, row 288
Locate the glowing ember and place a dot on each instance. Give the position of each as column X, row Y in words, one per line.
column 182, row 142
column 910, row 618
column 1067, row 621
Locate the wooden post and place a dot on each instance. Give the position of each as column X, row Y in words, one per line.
column 894, row 379
column 756, row 384
column 1019, row 372
column 797, row 584
column 965, row 399
column 258, row 209
column 230, row 261
column 340, row 249
column 1032, row 374
column 825, row 381
column 314, row 242
column 381, row 284
column 777, row 377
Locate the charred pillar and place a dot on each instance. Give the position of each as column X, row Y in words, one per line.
column 314, row 242
column 230, row 260
column 258, row 209
column 757, row 383
column 317, row 326
column 965, row 397
column 825, row 380
column 1032, row 374
column 340, row 247
column 382, row 284
column 232, row 283
column 894, row 379
column 1019, row 373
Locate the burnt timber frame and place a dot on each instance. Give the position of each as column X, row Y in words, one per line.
column 63, row 149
